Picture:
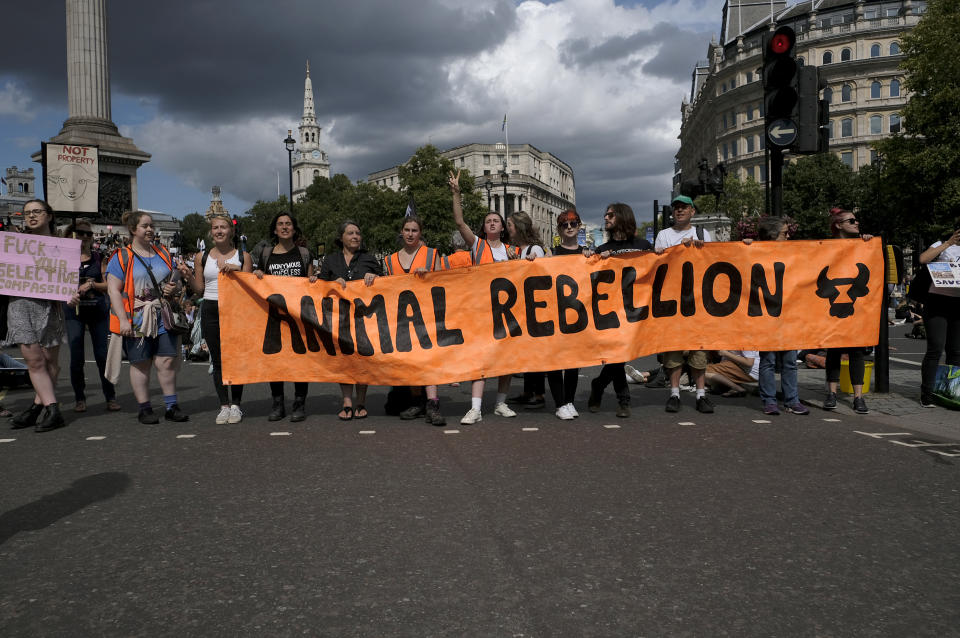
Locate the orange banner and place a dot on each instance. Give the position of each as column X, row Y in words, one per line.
column 551, row 313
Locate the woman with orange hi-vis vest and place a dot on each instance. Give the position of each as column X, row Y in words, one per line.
column 414, row 257
column 485, row 250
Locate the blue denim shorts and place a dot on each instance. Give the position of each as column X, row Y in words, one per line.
column 143, row 349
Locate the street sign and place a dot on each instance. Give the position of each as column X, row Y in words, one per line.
column 782, row 132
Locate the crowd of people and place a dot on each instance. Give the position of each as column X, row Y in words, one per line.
column 139, row 302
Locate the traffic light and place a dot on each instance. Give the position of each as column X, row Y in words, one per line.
column 813, row 113
column 780, row 90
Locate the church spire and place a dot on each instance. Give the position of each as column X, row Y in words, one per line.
column 309, row 117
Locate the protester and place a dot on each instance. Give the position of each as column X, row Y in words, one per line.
column 460, row 257
column 563, row 383
column 487, row 249
column 221, row 258
column 414, row 257
column 91, row 313
column 351, row 263
column 844, row 225
column 683, row 232
column 735, row 368
column 283, row 256
column 621, row 228
column 523, row 235
column 941, row 317
column 133, row 276
column 38, row 327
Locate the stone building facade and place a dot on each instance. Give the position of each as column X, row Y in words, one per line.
column 537, row 182
column 856, row 45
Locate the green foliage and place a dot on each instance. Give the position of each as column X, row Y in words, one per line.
column 922, row 163
column 193, row 227
column 811, row 187
column 740, row 200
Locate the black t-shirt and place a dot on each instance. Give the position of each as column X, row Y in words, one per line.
column 617, row 246
column 286, row 264
column 560, row 250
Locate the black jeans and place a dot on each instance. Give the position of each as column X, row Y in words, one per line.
column 857, row 364
column 97, row 320
column 533, row 383
column 210, row 329
column 563, row 385
column 941, row 316
column 613, row 372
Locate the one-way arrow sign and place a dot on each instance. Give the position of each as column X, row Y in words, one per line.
column 782, row 132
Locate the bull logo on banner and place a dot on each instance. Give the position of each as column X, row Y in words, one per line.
column 829, row 289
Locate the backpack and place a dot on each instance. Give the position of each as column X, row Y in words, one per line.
column 263, row 256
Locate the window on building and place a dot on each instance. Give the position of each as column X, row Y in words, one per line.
column 846, row 93
column 828, row 95
column 763, row 173
column 750, row 144
column 871, row 13
column 875, row 91
column 316, row 173
column 846, row 127
column 763, row 141
column 845, row 55
column 876, row 124
column 828, row 57
column 514, row 159
column 749, row 77
column 873, row 156
column 891, row 12
column 894, row 48
column 733, row 148
column 749, row 113
column 486, row 171
column 847, row 158
column 486, row 160
column 733, row 82
column 723, row 87
column 762, row 109
column 894, row 88
column 724, row 121
column 800, row 61
column 501, row 160
column 298, row 179
column 726, row 152
column 875, row 51
column 830, row 130
column 894, row 123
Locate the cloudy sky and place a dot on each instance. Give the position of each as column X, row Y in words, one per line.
column 210, row 87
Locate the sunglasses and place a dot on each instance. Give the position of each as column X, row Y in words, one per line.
column 569, row 224
column 83, row 233
column 851, row 220
column 609, row 215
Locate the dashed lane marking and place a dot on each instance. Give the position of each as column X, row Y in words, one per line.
column 279, row 434
column 96, row 438
column 907, row 361
column 186, row 436
column 761, row 421
column 612, row 426
column 451, row 431
column 832, row 420
column 367, row 432
column 7, row 440
column 880, row 435
column 530, row 429
column 686, row 423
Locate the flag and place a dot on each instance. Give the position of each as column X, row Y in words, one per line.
column 411, row 207
column 503, row 127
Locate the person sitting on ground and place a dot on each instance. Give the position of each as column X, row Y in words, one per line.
column 735, row 367
column 684, row 233
column 487, row 249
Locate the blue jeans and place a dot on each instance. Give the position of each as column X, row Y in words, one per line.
column 787, row 362
column 98, row 323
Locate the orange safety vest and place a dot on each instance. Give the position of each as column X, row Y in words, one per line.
column 484, row 254
column 460, row 259
column 424, row 258
column 128, row 293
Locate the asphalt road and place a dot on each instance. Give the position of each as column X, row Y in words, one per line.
column 732, row 524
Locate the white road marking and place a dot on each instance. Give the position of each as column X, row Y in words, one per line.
column 7, row 440
column 96, row 438
column 279, row 434
column 880, row 435
column 686, row 423
column 832, row 420
column 612, row 426
column 947, row 454
column 761, row 421
column 531, row 429
column 451, row 431
column 923, row 444
column 907, row 361
column 367, row 432
column 186, row 436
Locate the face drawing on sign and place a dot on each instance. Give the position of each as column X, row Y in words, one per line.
column 72, row 180
column 830, row 289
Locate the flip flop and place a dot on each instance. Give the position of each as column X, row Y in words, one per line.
column 357, row 414
column 734, row 394
column 348, row 411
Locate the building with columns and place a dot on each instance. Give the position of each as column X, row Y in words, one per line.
column 855, row 44
column 523, row 178
column 88, row 95
column 309, row 160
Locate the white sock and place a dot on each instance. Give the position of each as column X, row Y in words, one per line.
column 675, row 392
column 700, row 392
column 501, row 397
column 475, row 403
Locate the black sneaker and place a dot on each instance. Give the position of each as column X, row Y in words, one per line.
column 623, row 411
column 413, row 412
column 596, row 393
column 26, row 418
column 277, row 412
column 926, row 401
column 534, row 403
column 830, row 403
column 148, row 417
column 705, row 405
column 673, row 404
column 174, row 414
column 433, row 414
column 51, row 419
column 518, row 398
column 297, row 412
column 860, row 406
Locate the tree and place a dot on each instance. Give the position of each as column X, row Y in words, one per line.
column 740, row 200
column 923, row 161
column 811, row 187
column 193, row 227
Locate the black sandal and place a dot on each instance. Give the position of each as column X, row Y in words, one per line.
column 357, row 413
column 348, row 411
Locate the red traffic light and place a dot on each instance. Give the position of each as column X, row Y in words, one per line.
column 782, row 41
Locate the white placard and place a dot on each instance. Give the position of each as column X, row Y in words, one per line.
column 72, row 178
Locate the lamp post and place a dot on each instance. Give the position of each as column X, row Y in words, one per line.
column 290, row 143
column 489, row 186
column 504, row 178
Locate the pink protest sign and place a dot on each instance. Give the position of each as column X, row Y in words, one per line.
column 39, row 266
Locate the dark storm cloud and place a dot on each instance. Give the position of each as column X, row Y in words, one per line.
column 199, row 60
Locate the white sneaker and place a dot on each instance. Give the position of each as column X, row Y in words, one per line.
column 572, row 410
column 633, row 375
column 503, row 409
column 563, row 413
column 236, row 414
column 473, row 416
column 223, row 416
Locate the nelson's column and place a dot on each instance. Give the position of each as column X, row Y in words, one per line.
column 89, row 121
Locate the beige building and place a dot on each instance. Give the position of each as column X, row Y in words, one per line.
column 856, row 45
column 537, row 182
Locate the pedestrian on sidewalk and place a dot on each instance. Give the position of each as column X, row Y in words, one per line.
column 941, row 317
